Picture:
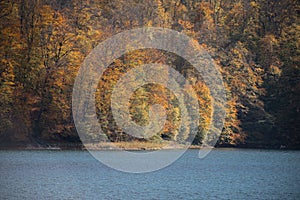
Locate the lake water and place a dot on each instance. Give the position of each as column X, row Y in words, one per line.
column 223, row 174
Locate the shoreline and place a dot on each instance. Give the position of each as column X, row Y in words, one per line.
column 101, row 147
column 132, row 146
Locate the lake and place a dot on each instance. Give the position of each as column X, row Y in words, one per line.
column 223, row 174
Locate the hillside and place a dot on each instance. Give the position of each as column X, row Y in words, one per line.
column 255, row 45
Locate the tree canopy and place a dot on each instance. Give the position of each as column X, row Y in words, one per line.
column 255, row 44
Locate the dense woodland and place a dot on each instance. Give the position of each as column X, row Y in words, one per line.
column 255, row 44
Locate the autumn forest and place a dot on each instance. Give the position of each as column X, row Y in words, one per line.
column 254, row 43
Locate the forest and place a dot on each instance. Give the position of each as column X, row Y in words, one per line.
column 254, row 43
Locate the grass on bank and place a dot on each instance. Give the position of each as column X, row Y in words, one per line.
column 135, row 145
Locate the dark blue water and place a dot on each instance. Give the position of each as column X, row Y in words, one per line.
column 223, row 174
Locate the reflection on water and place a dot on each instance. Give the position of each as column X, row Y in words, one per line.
column 223, row 174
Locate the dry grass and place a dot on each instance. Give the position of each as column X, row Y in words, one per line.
column 136, row 146
column 126, row 146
